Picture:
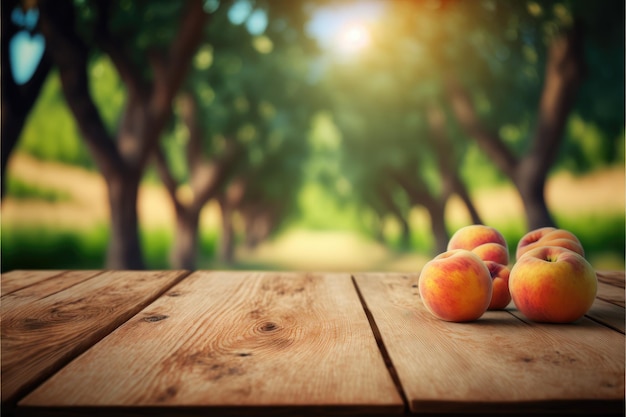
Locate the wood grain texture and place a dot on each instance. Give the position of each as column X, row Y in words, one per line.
column 498, row 363
column 48, row 323
column 609, row 314
column 243, row 340
column 14, row 280
column 610, row 293
column 615, row 278
column 42, row 289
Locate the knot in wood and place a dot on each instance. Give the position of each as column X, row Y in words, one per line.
column 157, row 317
column 268, row 327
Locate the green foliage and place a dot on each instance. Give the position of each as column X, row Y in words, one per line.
column 588, row 147
column 43, row 248
column 318, row 211
column 304, row 140
column 107, row 91
column 142, row 27
column 246, row 84
column 599, row 233
column 477, row 171
column 51, row 132
column 498, row 50
column 156, row 244
column 22, row 190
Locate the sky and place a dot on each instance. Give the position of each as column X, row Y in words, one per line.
column 25, row 48
column 328, row 22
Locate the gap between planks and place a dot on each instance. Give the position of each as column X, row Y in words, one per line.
column 381, row 347
column 218, row 329
column 496, row 403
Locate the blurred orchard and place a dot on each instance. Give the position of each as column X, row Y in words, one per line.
column 253, row 133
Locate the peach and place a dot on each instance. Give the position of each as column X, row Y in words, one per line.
column 472, row 236
column 456, row 286
column 548, row 236
column 500, row 297
column 494, row 252
column 553, row 284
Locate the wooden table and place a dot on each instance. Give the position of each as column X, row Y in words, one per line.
column 277, row 343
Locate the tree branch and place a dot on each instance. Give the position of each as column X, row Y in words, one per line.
column 215, row 173
column 114, row 48
column 170, row 72
column 564, row 73
column 69, row 53
column 188, row 112
column 447, row 162
column 490, row 142
column 170, row 183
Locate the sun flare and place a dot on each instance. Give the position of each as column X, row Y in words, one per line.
column 353, row 38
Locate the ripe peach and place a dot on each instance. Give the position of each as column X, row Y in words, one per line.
column 548, row 236
column 553, row 284
column 456, row 286
column 472, row 236
column 494, row 252
column 500, row 297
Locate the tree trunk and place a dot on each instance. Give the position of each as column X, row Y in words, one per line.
column 564, row 72
column 530, row 183
column 227, row 241
column 124, row 251
column 378, row 220
column 461, row 191
column 185, row 251
column 70, row 55
column 207, row 177
column 418, row 193
column 438, row 225
column 392, row 207
column 448, row 163
column 121, row 162
column 250, row 216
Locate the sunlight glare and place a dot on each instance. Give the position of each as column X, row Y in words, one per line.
column 353, row 38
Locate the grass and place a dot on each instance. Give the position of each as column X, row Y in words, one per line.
column 46, row 248
column 42, row 248
column 38, row 247
column 23, row 190
column 602, row 237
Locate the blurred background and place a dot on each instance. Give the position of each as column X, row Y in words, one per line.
column 306, row 135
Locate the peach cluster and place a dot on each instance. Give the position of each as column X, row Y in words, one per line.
column 551, row 281
column 469, row 278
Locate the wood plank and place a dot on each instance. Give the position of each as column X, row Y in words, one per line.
column 43, row 288
column 40, row 336
column 615, row 278
column 610, row 293
column 608, row 314
column 496, row 364
column 234, row 343
column 15, row 280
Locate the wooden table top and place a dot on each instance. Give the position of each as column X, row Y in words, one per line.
column 282, row 343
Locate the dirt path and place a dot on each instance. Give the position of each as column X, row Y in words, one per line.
column 306, row 250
